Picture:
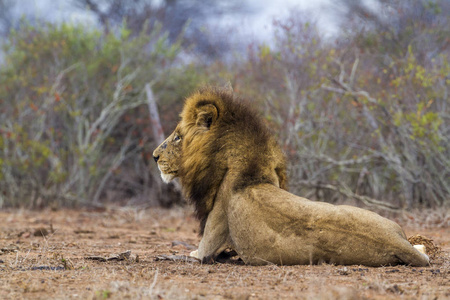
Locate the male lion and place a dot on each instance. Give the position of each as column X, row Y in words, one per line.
column 234, row 172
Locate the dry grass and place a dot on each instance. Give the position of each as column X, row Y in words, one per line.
column 56, row 266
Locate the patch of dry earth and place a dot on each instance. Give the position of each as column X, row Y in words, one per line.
column 49, row 255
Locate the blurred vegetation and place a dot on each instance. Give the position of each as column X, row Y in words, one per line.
column 72, row 110
column 365, row 116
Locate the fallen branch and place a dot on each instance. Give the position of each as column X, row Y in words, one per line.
column 121, row 256
column 183, row 258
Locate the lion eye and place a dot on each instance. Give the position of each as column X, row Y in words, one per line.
column 177, row 138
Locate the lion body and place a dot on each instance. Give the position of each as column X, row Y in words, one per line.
column 234, row 172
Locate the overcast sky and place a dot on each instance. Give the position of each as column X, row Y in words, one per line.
column 316, row 9
column 261, row 22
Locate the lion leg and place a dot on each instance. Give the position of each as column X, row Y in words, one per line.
column 227, row 245
column 216, row 237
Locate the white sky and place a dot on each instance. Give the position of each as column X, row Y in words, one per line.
column 256, row 25
column 316, row 9
column 52, row 10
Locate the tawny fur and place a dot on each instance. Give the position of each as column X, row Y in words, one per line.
column 234, row 172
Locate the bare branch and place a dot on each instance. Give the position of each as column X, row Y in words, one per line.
column 158, row 132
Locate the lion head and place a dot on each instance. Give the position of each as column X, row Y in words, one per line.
column 219, row 136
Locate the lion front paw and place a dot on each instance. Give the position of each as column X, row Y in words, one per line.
column 209, row 260
column 194, row 254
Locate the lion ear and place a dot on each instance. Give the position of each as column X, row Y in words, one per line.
column 228, row 87
column 206, row 116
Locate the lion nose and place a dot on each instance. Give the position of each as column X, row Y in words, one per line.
column 156, row 158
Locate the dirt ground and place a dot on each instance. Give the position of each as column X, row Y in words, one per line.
column 70, row 254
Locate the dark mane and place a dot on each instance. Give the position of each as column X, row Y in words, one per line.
column 239, row 135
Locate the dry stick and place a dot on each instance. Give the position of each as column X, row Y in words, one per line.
column 152, row 286
column 158, row 132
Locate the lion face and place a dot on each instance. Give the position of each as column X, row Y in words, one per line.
column 167, row 156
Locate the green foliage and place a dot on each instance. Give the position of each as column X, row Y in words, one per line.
column 103, row 294
column 354, row 122
column 64, row 90
column 420, row 24
column 367, row 115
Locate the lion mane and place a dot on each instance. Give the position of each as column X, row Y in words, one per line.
column 239, row 142
column 234, row 172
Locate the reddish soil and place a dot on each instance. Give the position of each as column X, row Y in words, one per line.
column 70, row 254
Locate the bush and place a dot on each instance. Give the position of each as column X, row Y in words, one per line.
column 69, row 100
column 364, row 118
column 351, row 126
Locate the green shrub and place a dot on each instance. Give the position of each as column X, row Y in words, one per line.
column 64, row 93
column 351, row 126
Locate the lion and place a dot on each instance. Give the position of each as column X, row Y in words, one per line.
column 234, row 172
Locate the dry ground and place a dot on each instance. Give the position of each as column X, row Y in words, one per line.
column 66, row 263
